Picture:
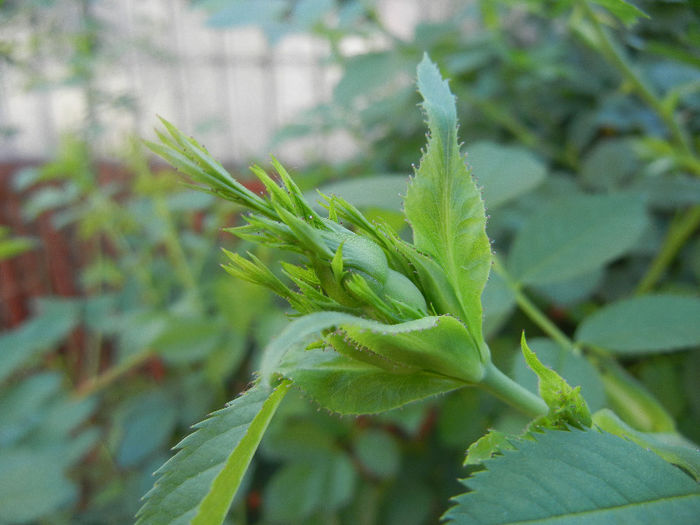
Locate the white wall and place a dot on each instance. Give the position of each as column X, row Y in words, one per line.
column 229, row 87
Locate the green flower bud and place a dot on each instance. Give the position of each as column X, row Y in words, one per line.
column 400, row 288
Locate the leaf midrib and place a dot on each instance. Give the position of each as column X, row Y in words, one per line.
column 605, row 509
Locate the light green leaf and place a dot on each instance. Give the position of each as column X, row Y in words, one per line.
column 14, row 246
column 437, row 344
column 577, row 477
column 486, row 446
column 575, row 235
column 627, row 12
column 505, row 172
column 197, row 485
column 574, row 368
column 348, row 386
column 444, row 206
column 646, row 324
column 566, row 404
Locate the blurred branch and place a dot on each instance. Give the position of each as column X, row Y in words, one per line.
column 100, row 382
column 612, row 52
column 680, row 231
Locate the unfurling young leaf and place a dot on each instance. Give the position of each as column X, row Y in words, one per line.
column 444, row 207
column 566, row 404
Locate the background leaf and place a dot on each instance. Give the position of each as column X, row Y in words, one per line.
column 505, row 172
column 646, row 324
column 378, row 191
column 577, row 477
column 574, row 236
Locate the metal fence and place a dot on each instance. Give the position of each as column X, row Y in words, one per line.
column 229, row 86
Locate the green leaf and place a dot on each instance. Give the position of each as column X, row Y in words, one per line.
column 367, row 72
column 378, row 191
column 498, row 301
column 148, row 422
column 197, row 485
column 505, row 172
column 577, row 477
column 348, row 386
column 379, row 453
column 300, row 488
column 670, row 446
column 14, row 246
column 436, row 344
column 627, row 12
column 566, row 404
column 33, row 484
column 486, row 446
column 574, row 368
column 54, row 321
column 574, row 236
column 444, row 206
column 186, row 340
column 645, row 324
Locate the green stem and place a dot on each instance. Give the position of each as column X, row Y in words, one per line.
column 175, row 251
column 531, row 310
column 504, row 388
column 680, row 231
column 612, row 53
column 621, row 388
column 100, row 382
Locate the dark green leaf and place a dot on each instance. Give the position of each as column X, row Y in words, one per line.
column 645, row 324
column 379, row 453
column 577, row 477
column 299, row 489
column 575, row 236
column 674, row 448
column 199, row 482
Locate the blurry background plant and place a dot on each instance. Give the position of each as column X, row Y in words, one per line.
column 557, row 102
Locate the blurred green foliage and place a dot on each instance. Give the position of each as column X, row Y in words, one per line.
column 567, row 142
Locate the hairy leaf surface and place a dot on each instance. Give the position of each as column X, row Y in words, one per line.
column 197, row 485
column 443, row 203
column 348, row 386
column 577, row 477
column 438, row 344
